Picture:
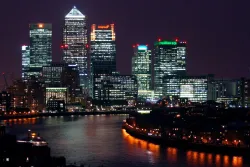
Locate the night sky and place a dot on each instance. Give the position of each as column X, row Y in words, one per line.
column 217, row 31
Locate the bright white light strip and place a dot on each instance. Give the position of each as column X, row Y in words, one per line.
column 144, row 111
column 74, row 16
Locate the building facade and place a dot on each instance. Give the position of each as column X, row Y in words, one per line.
column 102, row 51
column 75, row 44
column 25, row 62
column 224, row 88
column 195, row 88
column 40, row 47
column 111, row 88
column 56, row 93
column 141, row 68
column 169, row 59
column 52, row 74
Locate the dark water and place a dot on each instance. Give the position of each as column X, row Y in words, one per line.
column 99, row 140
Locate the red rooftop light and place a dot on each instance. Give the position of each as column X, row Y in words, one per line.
column 159, row 39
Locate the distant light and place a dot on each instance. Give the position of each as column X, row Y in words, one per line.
column 176, row 39
column 40, row 25
column 133, row 46
column 166, row 43
column 24, row 47
column 159, row 39
column 142, row 47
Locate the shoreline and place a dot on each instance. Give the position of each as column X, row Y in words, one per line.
column 188, row 146
column 5, row 117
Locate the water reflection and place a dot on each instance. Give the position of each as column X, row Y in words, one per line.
column 98, row 139
column 152, row 150
column 204, row 159
column 20, row 121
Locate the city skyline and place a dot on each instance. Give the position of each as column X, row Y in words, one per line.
column 215, row 53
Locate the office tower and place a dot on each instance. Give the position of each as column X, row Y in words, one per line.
column 75, row 43
column 169, row 59
column 141, row 68
column 40, row 47
column 25, row 62
column 102, row 50
column 194, row 88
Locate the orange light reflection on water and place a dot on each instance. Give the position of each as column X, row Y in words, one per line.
column 132, row 141
column 202, row 159
column 172, row 154
column 20, row 121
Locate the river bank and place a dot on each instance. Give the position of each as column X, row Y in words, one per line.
column 186, row 145
column 6, row 117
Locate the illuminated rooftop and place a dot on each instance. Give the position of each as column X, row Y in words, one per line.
column 74, row 13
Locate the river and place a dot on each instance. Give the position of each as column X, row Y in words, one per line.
column 99, row 140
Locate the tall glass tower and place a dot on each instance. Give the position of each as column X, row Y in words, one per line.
column 40, row 47
column 169, row 59
column 141, row 66
column 75, row 44
column 25, row 62
column 102, row 50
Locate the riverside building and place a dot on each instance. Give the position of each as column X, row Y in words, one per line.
column 195, row 88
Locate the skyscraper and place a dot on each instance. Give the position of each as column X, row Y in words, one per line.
column 40, row 47
column 25, row 62
column 141, row 67
column 169, row 59
column 75, row 43
column 102, row 50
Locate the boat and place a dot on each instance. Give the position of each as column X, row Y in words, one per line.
column 34, row 139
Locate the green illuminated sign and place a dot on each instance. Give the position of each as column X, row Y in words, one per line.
column 166, row 43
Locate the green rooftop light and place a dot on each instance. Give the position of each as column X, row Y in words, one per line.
column 166, row 43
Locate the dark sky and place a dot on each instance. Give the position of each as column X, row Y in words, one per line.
column 217, row 31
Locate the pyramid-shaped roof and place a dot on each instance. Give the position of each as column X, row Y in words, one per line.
column 74, row 13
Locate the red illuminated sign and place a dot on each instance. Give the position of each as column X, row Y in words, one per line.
column 103, row 27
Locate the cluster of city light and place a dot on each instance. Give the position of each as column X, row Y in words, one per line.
column 192, row 137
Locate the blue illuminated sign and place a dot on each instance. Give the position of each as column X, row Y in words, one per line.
column 142, row 47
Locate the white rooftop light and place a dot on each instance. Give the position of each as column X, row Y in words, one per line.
column 74, row 13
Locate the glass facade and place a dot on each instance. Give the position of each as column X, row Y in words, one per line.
column 25, row 62
column 193, row 88
column 75, row 44
column 40, row 47
column 103, row 51
column 141, row 66
column 170, row 59
column 52, row 74
column 115, row 87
